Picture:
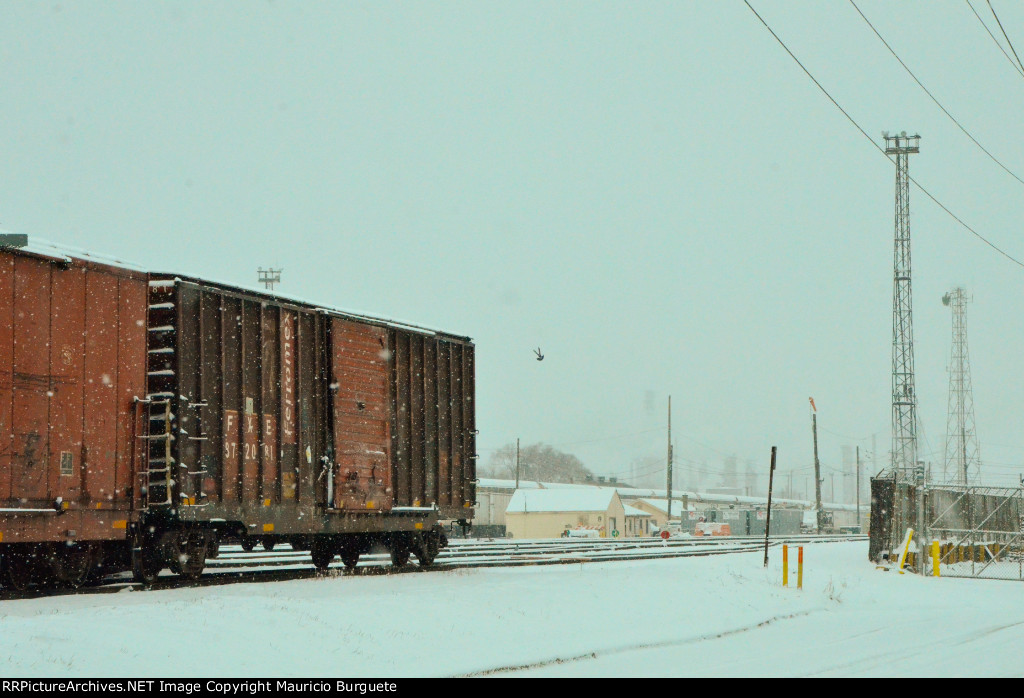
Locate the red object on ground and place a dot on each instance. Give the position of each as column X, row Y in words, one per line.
column 665, row 535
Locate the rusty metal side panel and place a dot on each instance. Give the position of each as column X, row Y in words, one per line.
column 416, row 415
column 230, row 412
column 270, row 381
column 444, row 425
column 131, row 383
column 6, row 372
column 287, row 409
column 399, row 415
column 187, row 405
column 469, row 420
column 31, row 379
column 458, row 436
column 100, row 387
column 361, row 430
column 433, row 423
column 308, row 367
column 250, row 378
column 212, row 393
column 67, row 362
column 251, row 392
column 430, row 412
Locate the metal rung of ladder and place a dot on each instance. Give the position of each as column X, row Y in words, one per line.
column 160, row 477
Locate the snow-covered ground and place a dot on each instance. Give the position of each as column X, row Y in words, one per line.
column 722, row 615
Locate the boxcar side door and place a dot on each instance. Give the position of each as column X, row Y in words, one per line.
column 362, row 437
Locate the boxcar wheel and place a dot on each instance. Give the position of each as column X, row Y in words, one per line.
column 248, row 544
column 146, row 566
column 71, row 567
column 15, row 573
column 268, row 545
column 350, row 557
column 399, row 557
column 323, row 556
column 191, row 559
column 427, row 550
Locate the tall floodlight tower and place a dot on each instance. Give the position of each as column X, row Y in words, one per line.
column 904, row 398
column 963, row 460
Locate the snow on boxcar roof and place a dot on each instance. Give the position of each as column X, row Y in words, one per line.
column 295, row 300
column 66, row 253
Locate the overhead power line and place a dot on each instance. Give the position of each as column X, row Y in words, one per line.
column 933, row 98
column 1009, row 43
column 877, row 147
column 994, row 39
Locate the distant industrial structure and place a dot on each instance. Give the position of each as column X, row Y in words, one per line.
column 549, row 509
column 963, row 458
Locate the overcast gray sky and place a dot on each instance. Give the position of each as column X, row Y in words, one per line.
column 653, row 193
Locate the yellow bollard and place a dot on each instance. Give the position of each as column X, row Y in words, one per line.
column 906, row 548
column 935, row 558
column 800, row 568
column 785, row 565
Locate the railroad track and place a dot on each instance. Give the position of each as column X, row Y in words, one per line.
column 283, row 564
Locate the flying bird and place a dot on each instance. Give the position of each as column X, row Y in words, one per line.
column 540, row 357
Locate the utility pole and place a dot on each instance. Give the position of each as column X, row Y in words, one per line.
column 768, row 516
column 819, row 518
column 858, row 486
column 517, row 464
column 668, row 484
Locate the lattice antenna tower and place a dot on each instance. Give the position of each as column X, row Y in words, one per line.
column 904, row 397
column 269, row 277
column 963, row 457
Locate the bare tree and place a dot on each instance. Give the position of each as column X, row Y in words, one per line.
column 536, row 462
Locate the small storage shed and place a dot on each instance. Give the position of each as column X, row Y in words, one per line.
column 550, row 513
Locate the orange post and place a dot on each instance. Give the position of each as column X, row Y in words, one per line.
column 785, row 565
column 800, row 568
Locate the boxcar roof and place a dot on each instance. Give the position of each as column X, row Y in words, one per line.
column 248, row 292
column 45, row 249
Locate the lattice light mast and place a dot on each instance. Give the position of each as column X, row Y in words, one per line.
column 963, row 458
column 904, row 397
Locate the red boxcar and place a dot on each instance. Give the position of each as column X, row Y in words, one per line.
column 72, row 363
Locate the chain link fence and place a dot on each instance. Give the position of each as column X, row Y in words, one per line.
column 979, row 530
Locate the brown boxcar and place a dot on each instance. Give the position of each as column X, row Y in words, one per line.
column 72, row 366
column 146, row 419
column 272, row 421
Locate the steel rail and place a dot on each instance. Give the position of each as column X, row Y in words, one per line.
column 235, row 565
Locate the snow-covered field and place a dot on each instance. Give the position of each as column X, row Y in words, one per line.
column 723, row 615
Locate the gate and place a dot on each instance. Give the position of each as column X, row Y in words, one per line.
column 980, row 530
